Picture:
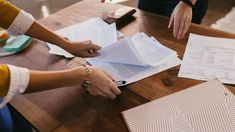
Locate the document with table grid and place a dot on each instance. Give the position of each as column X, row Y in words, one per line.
column 207, row 58
column 207, row 107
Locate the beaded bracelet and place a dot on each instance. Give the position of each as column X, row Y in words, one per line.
column 86, row 84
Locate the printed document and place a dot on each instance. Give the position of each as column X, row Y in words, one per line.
column 206, row 58
column 138, row 49
column 133, row 73
column 134, row 58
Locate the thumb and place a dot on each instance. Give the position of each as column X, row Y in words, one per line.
column 91, row 54
column 92, row 47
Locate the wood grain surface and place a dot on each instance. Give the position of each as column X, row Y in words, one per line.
column 70, row 108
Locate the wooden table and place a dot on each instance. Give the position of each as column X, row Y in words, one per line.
column 70, row 109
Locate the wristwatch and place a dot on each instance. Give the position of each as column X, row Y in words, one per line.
column 188, row 2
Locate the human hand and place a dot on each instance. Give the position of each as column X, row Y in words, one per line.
column 82, row 49
column 181, row 19
column 102, row 84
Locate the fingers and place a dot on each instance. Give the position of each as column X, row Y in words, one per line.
column 176, row 26
column 110, row 89
column 91, row 46
column 95, row 92
column 88, row 54
column 90, row 49
column 103, row 85
column 171, row 21
column 111, row 92
column 181, row 29
column 115, row 89
column 188, row 24
column 109, row 75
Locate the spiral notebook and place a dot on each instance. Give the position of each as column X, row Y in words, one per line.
column 207, row 107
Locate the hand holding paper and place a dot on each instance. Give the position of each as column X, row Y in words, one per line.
column 83, row 49
column 94, row 29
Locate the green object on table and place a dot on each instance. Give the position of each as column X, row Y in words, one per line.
column 18, row 44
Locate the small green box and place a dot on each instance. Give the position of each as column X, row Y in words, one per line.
column 18, row 44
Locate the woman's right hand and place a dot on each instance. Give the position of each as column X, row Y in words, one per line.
column 102, row 84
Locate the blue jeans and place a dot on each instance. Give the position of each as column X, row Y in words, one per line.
column 12, row 121
column 6, row 123
column 166, row 7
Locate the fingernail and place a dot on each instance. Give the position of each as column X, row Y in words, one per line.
column 90, row 51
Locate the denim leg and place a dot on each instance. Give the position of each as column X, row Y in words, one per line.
column 6, row 124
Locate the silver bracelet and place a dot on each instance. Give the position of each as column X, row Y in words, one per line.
column 86, row 84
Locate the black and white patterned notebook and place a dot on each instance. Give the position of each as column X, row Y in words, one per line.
column 207, row 107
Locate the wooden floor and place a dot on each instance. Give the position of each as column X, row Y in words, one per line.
column 217, row 8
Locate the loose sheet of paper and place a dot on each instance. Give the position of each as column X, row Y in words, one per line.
column 94, row 29
column 206, row 58
column 133, row 73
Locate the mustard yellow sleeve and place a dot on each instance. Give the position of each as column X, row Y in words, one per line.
column 4, row 80
column 8, row 13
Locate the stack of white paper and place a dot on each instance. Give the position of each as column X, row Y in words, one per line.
column 134, row 58
column 208, row 107
column 139, row 50
column 94, row 29
column 206, row 58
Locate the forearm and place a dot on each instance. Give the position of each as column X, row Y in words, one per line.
column 43, row 33
column 41, row 81
column 17, row 79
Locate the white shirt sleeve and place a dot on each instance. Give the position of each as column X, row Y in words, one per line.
column 21, row 24
column 19, row 79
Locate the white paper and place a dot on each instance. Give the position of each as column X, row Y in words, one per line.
column 206, row 58
column 132, row 73
column 122, row 52
column 94, row 29
column 134, row 58
column 138, row 49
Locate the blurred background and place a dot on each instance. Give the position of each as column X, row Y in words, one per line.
column 220, row 15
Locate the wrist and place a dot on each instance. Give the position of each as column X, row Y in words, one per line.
column 63, row 43
column 186, row 4
column 78, row 75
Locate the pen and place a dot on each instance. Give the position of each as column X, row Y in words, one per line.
column 120, row 82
